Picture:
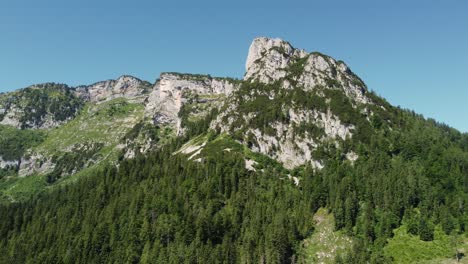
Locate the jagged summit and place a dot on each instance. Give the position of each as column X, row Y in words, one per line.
column 124, row 86
column 272, row 59
column 258, row 51
column 173, row 90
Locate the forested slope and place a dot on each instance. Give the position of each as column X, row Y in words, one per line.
column 165, row 208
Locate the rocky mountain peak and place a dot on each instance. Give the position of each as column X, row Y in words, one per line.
column 125, row 86
column 267, row 55
column 174, row 90
column 272, row 59
column 293, row 102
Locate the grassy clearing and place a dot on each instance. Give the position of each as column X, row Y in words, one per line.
column 105, row 123
column 210, row 145
column 325, row 243
column 407, row 248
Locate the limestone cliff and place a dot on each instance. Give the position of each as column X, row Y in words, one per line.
column 271, row 60
column 174, row 90
column 125, row 86
column 292, row 103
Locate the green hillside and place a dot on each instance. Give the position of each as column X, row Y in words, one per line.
column 168, row 207
column 93, row 138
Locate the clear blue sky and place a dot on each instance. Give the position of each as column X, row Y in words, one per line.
column 413, row 52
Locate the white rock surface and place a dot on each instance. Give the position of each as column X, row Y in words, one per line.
column 169, row 94
column 286, row 147
column 294, row 179
column 7, row 163
column 125, row 86
column 35, row 163
column 352, row 156
column 192, row 149
column 269, row 59
column 11, row 117
column 14, row 114
column 249, row 165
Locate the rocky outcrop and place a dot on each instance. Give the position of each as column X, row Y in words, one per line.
column 49, row 105
column 162, row 102
column 286, row 145
column 35, row 163
column 173, row 90
column 125, row 86
column 11, row 116
column 301, row 130
column 268, row 59
column 272, row 60
column 40, row 106
column 8, row 163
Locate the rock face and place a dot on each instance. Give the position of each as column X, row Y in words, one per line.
column 291, row 134
column 8, row 163
column 173, row 90
column 49, row 105
column 125, row 86
column 285, row 144
column 268, row 58
column 39, row 106
column 35, row 164
column 10, row 116
column 162, row 103
column 272, row 60
column 293, row 139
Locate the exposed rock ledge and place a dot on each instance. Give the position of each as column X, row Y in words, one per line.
column 125, row 86
column 269, row 60
column 172, row 90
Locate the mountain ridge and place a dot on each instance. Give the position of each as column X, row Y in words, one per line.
column 336, row 95
column 298, row 162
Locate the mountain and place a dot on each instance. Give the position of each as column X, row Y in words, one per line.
column 298, row 162
column 91, row 122
column 291, row 88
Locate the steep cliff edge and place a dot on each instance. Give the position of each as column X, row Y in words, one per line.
column 174, row 90
column 292, row 103
column 272, row 60
column 125, row 86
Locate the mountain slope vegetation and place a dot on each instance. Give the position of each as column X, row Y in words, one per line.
column 297, row 163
